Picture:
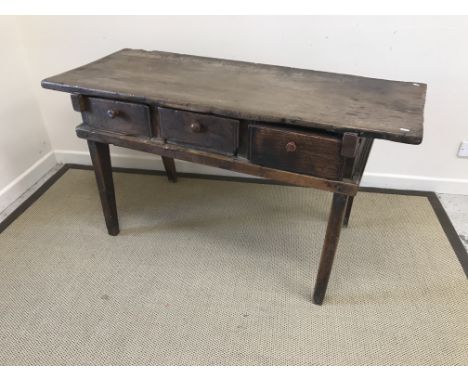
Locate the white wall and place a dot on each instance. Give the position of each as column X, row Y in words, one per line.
column 25, row 151
column 422, row 49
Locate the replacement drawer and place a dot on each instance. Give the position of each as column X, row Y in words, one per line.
column 290, row 150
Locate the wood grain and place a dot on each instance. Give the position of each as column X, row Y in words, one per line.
column 103, row 171
column 332, row 236
column 310, row 153
column 169, row 166
column 126, row 118
column 212, row 159
column 212, row 133
column 317, row 100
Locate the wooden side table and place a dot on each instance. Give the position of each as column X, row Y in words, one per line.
column 300, row 127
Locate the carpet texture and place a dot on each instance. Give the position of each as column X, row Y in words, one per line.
column 211, row 272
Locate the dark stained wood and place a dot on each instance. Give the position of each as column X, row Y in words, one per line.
column 350, row 150
column 169, row 166
column 363, row 158
column 198, row 130
column 332, row 236
column 348, row 174
column 350, row 144
column 299, row 127
column 78, row 102
column 122, row 117
column 349, row 203
column 358, row 171
column 103, row 170
column 317, row 100
column 212, row 159
column 243, row 150
column 349, row 207
column 292, row 150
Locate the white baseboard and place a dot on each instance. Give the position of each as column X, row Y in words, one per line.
column 418, row 183
column 393, row 181
column 26, row 180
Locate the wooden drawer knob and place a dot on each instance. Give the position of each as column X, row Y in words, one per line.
column 111, row 113
column 195, row 127
column 290, row 147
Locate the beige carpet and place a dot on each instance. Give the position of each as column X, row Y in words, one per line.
column 220, row 273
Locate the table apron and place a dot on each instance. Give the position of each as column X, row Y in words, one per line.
column 211, row 159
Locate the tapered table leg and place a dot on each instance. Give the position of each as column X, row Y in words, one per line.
column 170, row 168
column 335, row 221
column 100, row 157
column 359, row 170
column 349, row 206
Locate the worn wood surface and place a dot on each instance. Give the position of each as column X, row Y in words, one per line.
column 169, row 166
column 212, row 159
column 78, row 102
column 300, row 127
column 291, row 150
column 100, row 157
column 332, row 236
column 357, row 172
column 199, row 130
column 336, row 102
column 121, row 117
column 362, row 159
column 350, row 145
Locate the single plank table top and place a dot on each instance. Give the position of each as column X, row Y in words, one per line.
column 339, row 103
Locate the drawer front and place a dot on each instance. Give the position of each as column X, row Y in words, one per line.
column 120, row 117
column 207, row 132
column 306, row 153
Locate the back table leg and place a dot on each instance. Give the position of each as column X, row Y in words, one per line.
column 332, row 236
column 103, row 170
column 359, row 170
column 349, row 206
column 170, row 168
